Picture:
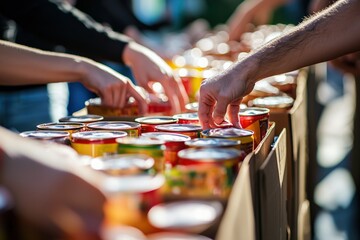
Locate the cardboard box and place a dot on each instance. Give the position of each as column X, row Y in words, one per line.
column 272, row 193
column 241, row 218
column 295, row 123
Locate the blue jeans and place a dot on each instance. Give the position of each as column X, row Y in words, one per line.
column 24, row 109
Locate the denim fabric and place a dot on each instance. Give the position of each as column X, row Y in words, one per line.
column 23, row 110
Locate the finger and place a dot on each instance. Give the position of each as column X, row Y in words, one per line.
column 171, row 94
column 233, row 113
column 106, row 98
column 143, row 82
column 204, row 113
column 121, row 97
column 116, row 92
column 140, row 99
column 220, row 110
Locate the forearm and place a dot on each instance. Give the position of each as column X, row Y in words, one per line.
column 21, row 65
column 332, row 33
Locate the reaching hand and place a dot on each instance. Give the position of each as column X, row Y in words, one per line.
column 221, row 95
column 113, row 88
column 149, row 68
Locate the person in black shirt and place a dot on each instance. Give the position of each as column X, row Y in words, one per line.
column 60, row 24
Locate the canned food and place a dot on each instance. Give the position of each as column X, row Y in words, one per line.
column 150, row 147
column 123, row 164
column 173, row 144
column 148, row 124
column 69, row 127
column 89, row 118
column 191, row 79
column 192, row 107
column 96, row 143
column 61, row 137
column 245, row 136
column 187, row 118
column 275, row 103
column 213, row 143
column 208, row 172
column 190, row 130
column 180, row 215
column 133, row 129
column 159, row 106
column 257, row 120
column 130, row 198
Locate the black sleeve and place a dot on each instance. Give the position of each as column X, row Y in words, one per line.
column 62, row 24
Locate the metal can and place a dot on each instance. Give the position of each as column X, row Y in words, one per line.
column 133, row 129
column 69, row 127
column 85, row 119
column 130, row 198
column 179, row 216
column 96, row 143
column 192, row 107
column 148, row 124
column 123, row 164
column 187, row 118
column 150, row 147
column 245, row 136
column 208, row 172
column 274, row 103
column 257, row 120
column 190, row 130
column 61, row 137
column 173, row 144
column 213, row 143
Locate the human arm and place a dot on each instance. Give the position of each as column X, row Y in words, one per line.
column 322, row 37
column 62, row 24
column 20, row 65
column 46, row 189
column 251, row 12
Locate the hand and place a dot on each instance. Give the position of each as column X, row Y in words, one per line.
column 46, row 191
column 148, row 68
column 113, row 88
column 349, row 63
column 251, row 12
column 222, row 95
